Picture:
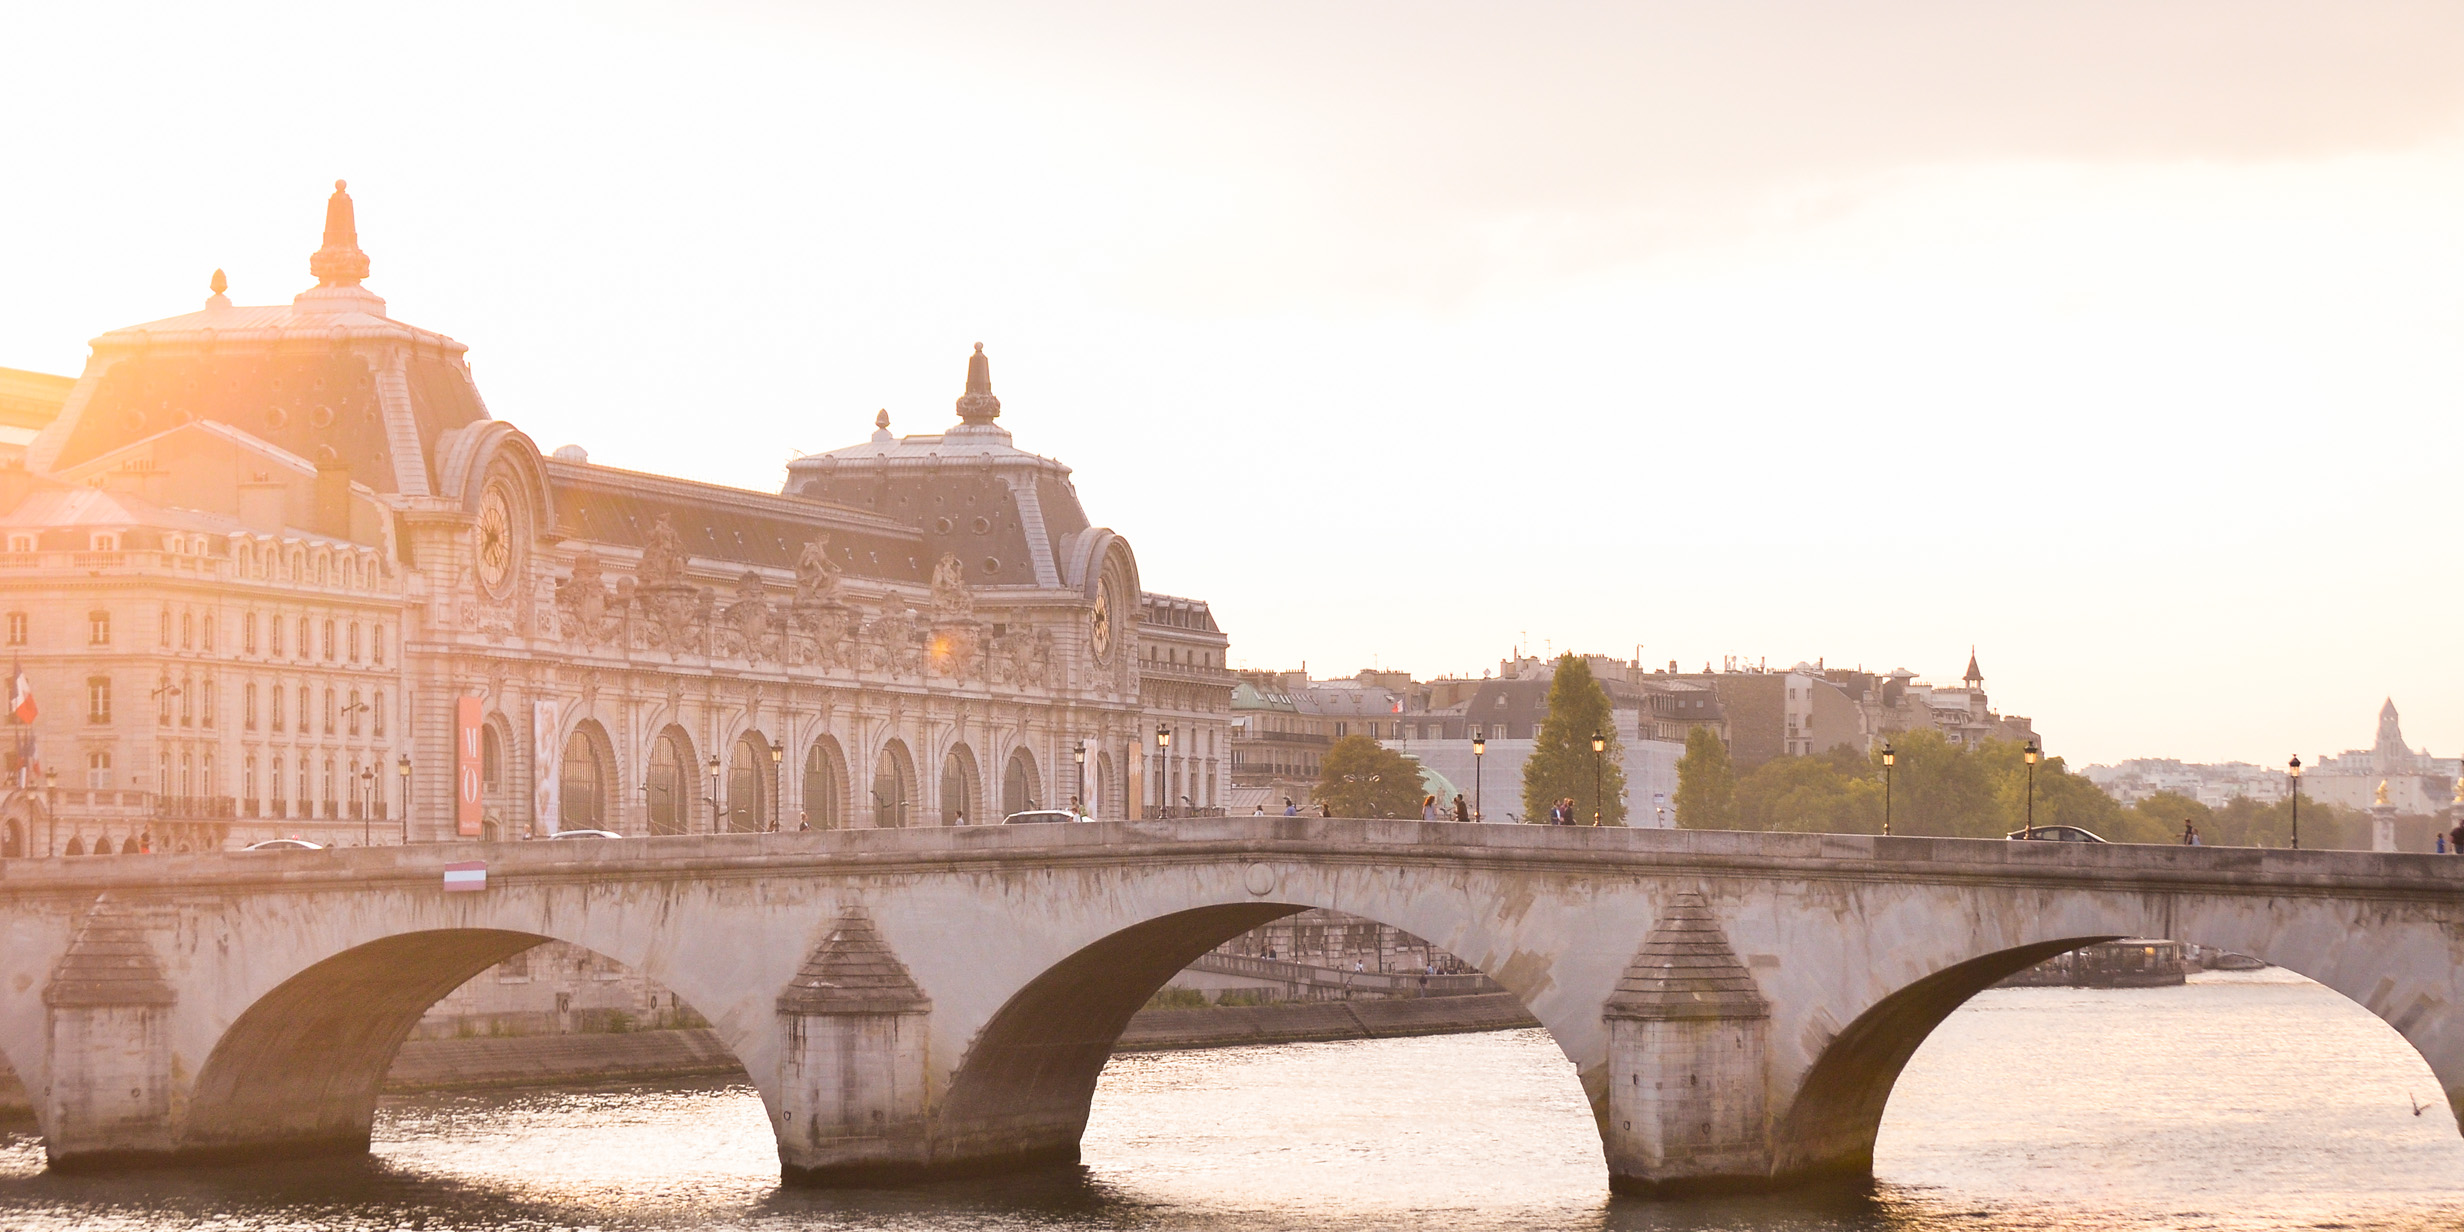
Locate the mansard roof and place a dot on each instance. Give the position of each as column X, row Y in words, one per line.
column 328, row 377
column 608, row 505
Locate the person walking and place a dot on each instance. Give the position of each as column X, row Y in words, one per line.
column 1290, row 809
column 2455, row 839
column 2440, row 846
column 2190, row 833
column 1462, row 811
column 1428, row 808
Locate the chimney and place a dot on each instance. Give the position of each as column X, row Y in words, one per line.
column 261, row 504
column 332, row 515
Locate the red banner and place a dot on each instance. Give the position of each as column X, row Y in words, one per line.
column 466, row 722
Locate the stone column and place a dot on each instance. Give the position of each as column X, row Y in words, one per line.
column 851, row 1071
column 1687, row 1102
column 109, row 1039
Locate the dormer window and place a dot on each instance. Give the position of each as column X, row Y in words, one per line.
column 105, row 541
column 21, row 543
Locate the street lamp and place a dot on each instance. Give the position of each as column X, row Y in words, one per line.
column 1480, row 748
column 1079, row 755
column 367, row 805
column 2294, row 768
column 1889, row 759
column 778, row 754
column 51, row 810
column 713, row 766
column 402, row 770
column 1163, row 774
column 1599, row 759
column 2029, row 754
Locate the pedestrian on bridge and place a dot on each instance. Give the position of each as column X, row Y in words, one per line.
column 1428, row 808
column 1462, row 811
column 2190, row 833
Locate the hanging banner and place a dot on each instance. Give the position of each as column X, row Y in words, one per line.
column 547, row 769
column 466, row 878
column 467, row 718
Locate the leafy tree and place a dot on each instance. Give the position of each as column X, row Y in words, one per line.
column 1939, row 789
column 1359, row 777
column 1706, row 783
column 1837, row 792
column 2159, row 818
column 2244, row 822
column 1562, row 763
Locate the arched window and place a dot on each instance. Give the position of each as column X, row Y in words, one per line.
column 823, row 792
column 329, row 641
column 355, row 707
column 668, row 785
column 748, row 771
column 376, row 712
column 893, row 788
column 491, row 758
column 1018, row 785
column 306, row 647
column 958, row 788
column 581, row 782
column 354, row 641
column 376, row 643
column 274, row 780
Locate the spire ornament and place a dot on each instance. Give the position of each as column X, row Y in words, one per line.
column 977, row 406
column 339, row 263
column 218, row 284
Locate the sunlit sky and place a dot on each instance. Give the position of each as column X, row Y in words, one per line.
column 2122, row 340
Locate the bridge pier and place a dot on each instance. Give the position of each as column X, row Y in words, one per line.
column 1688, row 1104
column 852, row 1069
column 107, row 1011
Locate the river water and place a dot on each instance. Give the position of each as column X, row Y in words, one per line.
column 2251, row 1101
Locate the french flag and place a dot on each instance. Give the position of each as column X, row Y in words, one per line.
column 21, row 695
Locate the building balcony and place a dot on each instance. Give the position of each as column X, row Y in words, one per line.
column 195, row 808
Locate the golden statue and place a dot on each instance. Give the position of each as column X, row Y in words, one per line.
column 2381, row 801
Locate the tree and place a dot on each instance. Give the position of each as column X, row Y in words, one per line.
column 1361, row 778
column 1706, row 783
column 1837, row 792
column 1938, row 789
column 1562, row 763
column 2158, row 819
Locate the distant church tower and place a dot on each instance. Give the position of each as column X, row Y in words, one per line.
column 1975, row 679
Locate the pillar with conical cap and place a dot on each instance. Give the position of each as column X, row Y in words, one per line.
column 977, row 408
column 339, row 263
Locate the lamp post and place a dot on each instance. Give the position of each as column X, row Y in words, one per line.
column 1163, row 773
column 402, row 770
column 2294, row 768
column 51, row 810
column 1480, row 749
column 778, row 754
column 367, row 806
column 2029, row 755
column 713, row 766
column 1599, row 759
column 1889, row 759
column 1079, row 755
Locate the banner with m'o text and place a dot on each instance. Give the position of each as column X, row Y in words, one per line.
column 467, row 719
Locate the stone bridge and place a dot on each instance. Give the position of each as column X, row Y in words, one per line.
column 937, row 1001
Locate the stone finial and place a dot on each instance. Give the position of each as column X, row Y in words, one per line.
column 977, row 406
column 1686, row 970
column 108, row 963
column 853, row 972
column 339, row 263
column 881, row 428
column 218, row 284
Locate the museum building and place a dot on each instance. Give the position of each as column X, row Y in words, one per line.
column 275, row 571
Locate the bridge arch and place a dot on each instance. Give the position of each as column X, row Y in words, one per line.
column 1021, row 1094
column 1829, row 1129
column 299, row 1070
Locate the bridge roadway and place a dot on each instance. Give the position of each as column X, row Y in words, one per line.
column 937, row 1001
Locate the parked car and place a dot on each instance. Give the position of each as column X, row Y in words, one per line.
column 586, row 834
column 1039, row 815
column 2057, row 834
column 284, row 844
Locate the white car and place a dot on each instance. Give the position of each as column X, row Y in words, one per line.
column 284, row 844
column 1033, row 815
column 586, row 834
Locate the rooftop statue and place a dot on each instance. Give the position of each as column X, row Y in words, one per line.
column 339, row 263
column 663, row 556
column 977, row 406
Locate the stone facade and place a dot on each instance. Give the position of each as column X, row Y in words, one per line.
column 263, row 555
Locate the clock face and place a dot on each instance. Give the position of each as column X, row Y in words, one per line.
column 495, row 540
column 1101, row 635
